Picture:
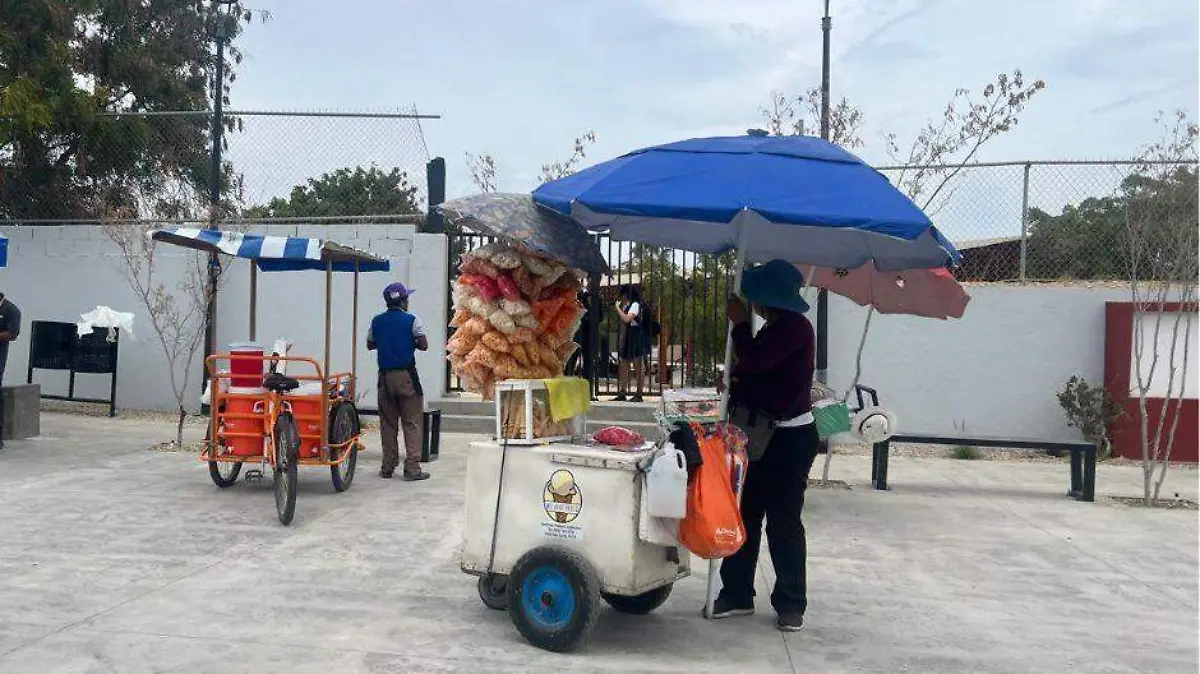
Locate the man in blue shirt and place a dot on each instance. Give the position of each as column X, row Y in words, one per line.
column 395, row 337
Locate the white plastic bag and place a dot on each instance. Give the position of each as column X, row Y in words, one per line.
column 104, row 317
column 655, row 530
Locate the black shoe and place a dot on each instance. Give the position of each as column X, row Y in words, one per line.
column 416, row 477
column 636, row 399
column 723, row 609
column 386, row 474
column 789, row 622
column 620, row 399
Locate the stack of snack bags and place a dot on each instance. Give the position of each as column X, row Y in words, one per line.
column 515, row 315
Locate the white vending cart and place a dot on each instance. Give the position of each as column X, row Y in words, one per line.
column 551, row 529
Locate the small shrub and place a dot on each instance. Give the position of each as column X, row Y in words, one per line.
column 1091, row 409
column 966, row 453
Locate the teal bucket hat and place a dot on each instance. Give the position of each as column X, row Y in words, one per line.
column 776, row 284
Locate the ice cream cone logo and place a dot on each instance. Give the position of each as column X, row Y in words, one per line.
column 562, row 498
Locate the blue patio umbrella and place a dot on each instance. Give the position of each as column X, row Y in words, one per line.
column 798, row 198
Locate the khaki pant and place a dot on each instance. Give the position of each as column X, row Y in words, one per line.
column 400, row 406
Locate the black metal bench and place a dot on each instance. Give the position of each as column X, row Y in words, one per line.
column 1083, row 457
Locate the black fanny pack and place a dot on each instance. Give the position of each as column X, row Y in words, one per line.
column 758, row 426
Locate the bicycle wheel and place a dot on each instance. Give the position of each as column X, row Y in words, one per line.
column 287, row 458
column 344, row 425
column 223, row 473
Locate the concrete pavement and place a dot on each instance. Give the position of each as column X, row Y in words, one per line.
column 114, row 558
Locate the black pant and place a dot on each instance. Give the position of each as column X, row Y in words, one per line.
column 775, row 486
column 3, row 364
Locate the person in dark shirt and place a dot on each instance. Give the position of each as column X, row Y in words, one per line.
column 634, row 344
column 395, row 337
column 580, row 363
column 773, row 374
column 10, row 329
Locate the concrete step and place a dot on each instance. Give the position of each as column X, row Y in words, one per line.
column 485, row 424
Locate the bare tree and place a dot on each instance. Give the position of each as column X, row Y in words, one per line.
column 562, row 169
column 802, row 117
column 938, row 153
column 483, row 167
column 176, row 314
column 483, row 171
column 945, row 145
column 175, row 310
column 1161, row 226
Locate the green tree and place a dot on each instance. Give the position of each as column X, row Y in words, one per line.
column 346, row 191
column 65, row 62
column 708, row 285
column 1089, row 240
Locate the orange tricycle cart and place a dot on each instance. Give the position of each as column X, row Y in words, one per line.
column 261, row 413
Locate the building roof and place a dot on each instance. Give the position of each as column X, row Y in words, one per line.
column 984, row 243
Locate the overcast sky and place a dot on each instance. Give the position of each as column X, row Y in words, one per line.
column 520, row 79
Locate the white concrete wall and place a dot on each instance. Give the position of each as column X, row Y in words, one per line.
column 56, row 273
column 995, row 372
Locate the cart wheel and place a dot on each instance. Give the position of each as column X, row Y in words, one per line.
column 554, row 598
column 493, row 590
column 224, row 473
column 640, row 604
column 287, row 456
column 344, row 425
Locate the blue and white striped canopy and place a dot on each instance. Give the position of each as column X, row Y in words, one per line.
column 273, row 253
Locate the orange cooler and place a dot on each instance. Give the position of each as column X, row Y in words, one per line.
column 237, row 411
column 306, row 404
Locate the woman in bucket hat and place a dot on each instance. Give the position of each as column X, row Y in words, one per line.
column 773, row 375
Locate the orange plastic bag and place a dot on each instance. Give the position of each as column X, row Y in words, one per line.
column 713, row 527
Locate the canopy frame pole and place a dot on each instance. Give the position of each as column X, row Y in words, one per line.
column 354, row 339
column 253, row 301
column 328, row 333
column 739, row 267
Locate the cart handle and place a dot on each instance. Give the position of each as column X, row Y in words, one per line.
column 211, row 363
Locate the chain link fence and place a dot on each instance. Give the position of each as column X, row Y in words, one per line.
column 1049, row 220
column 274, row 166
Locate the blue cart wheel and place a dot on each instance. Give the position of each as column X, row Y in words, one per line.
column 554, row 598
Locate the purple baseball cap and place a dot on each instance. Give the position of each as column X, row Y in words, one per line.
column 396, row 292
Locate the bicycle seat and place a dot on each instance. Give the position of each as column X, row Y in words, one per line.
column 280, row 383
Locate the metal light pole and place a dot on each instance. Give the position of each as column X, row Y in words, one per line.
column 221, row 34
column 822, row 355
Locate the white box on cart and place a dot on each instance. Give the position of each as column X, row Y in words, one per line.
column 583, row 498
column 523, row 415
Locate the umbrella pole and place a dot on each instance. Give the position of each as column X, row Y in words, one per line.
column 862, row 342
column 354, row 340
column 325, row 374
column 739, row 266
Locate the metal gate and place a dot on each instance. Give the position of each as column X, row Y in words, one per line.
column 684, row 294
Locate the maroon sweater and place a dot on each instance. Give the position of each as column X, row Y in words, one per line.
column 774, row 369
